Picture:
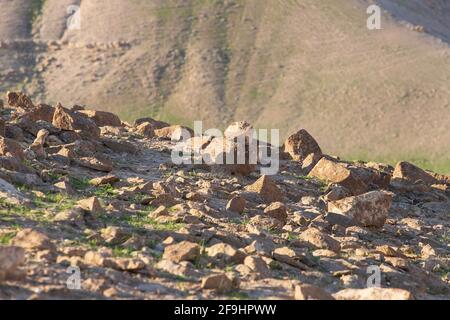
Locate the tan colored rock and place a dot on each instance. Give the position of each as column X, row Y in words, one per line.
column 99, row 181
column 257, row 265
column 65, row 187
column 11, row 258
column 368, row 210
column 102, row 118
column 411, row 173
column 71, row 121
column 146, row 129
column 183, row 251
column 241, row 129
column 266, row 189
column 95, row 163
column 277, row 210
column 155, row 123
column 114, row 235
column 91, row 205
column 229, row 156
column 119, row 146
column 300, row 145
column 174, row 133
column 335, row 172
column 373, row 294
column 224, row 254
column 32, row 239
column 9, row 147
column 320, row 240
column 289, row 256
column 310, row 292
column 218, row 282
column 236, row 204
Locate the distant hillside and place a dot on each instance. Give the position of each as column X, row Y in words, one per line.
column 276, row 63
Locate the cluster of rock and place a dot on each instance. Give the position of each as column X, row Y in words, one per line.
column 139, row 226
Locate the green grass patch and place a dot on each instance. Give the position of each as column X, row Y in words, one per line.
column 7, row 237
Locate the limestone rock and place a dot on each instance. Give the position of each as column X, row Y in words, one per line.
column 369, row 210
column 102, row 118
column 266, row 189
column 335, row 172
column 236, row 204
column 300, row 145
column 310, row 292
column 218, row 282
column 32, row 239
column 11, row 258
column 277, row 210
column 71, row 121
column 9, row 147
column 320, row 240
column 411, row 173
column 183, row 251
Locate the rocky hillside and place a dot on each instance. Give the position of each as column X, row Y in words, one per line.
column 80, row 188
column 363, row 94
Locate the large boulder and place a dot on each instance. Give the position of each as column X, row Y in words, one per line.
column 332, row 171
column 369, row 210
column 72, row 121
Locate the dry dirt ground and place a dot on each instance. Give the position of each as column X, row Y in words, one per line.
column 363, row 94
column 79, row 188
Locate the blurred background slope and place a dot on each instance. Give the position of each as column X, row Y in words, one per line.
column 379, row 95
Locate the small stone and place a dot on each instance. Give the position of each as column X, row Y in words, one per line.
column 218, row 282
column 102, row 118
column 257, row 265
column 236, row 204
column 99, row 181
column 320, row 240
column 11, row 258
column 33, row 240
column 146, row 129
column 310, row 292
column 267, row 189
column 114, row 235
column 94, row 163
column 277, row 210
column 183, row 251
column 224, row 254
column 11, row 148
column 91, row 205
